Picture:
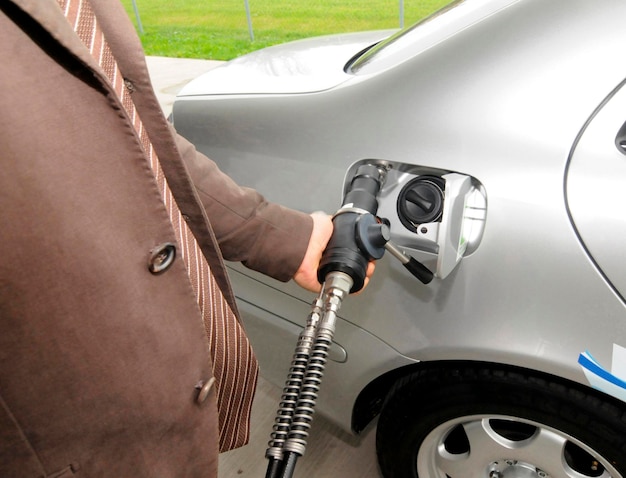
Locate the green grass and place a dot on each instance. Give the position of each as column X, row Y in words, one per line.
column 218, row 29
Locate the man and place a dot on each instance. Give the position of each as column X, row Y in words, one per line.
column 105, row 366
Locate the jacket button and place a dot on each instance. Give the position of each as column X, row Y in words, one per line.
column 129, row 85
column 203, row 390
column 161, row 258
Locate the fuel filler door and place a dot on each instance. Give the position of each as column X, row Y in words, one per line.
column 435, row 215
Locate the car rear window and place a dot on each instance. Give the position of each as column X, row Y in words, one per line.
column 446, row 22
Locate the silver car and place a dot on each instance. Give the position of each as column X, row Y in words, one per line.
column 502, row 127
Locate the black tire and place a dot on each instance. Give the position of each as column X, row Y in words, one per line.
column 478, row 420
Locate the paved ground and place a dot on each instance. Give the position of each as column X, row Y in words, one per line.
column 169, row 75
column 330, row 452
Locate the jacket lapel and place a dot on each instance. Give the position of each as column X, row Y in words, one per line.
column 50, row 17
column 128, row 52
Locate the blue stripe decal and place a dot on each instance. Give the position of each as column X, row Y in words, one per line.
column 587, row 361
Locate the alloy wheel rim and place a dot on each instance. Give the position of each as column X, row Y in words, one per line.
column 499, row 446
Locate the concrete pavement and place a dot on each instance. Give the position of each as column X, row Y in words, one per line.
column 169, row 75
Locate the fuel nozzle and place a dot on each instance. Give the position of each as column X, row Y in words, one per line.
column 344, row 253
column 359, row 236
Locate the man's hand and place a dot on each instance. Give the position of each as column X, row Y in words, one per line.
column 306, row 276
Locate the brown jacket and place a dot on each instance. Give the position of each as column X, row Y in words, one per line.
column 99, row 358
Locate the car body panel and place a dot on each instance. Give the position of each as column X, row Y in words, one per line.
column 364, row 356
column 502, row 100
column 596, row 193
column 301, row 66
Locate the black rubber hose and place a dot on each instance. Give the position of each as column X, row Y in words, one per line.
column 273, row 468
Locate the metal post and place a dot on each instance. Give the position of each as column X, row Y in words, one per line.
column 250, row 31
column 139, row 25
column 401, row 8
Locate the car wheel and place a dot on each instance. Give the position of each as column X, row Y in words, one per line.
column 471, row 421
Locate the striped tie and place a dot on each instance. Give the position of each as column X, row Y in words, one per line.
column 234, row 365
